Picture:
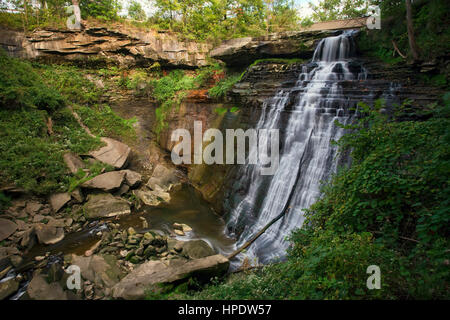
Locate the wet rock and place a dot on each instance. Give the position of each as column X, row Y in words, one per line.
column 105, row 205
column 115, row 153
column 7, row 228
column 179, row 232
column 48, row 234
column 106, row 182
column 8, row 287
column 59, row 200
column 40, row 289
column 196, row 249
column 182, row 226
column 152, row 197
column 149, row 275
column 73, row 162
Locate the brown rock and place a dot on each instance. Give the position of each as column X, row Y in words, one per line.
column 132, row 178
column 40, row 289
column 48, row 234
column 105, row 205
column 74, row 162
column 107, row 181
column 115, row 153
column 7, row 228
column 59, row 200
column 149, row 275
column 8, row 287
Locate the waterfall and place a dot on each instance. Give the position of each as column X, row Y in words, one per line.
column 305, row 116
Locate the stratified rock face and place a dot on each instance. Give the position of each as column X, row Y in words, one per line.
column 105, row 205
column 150, row 274
column 293, row 44
column 127, row 46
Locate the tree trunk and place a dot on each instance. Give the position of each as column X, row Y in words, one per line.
column 410, row 27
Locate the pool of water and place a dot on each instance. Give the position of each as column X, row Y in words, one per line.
column 186, row 206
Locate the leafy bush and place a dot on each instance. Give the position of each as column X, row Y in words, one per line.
column 224, row 86
column 21, row 86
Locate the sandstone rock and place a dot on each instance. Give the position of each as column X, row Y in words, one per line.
column 77, row 195
column 132, row 178
column 105, row 205
column 124, row 45
column 73, row 162
column 196, row 249
column 149, row 275
column 59, row 200
column 162, row 178
column 115, row 153
column 48, row 234
column 33, row 207
column 8, row 287
column 39, row 289
column 7, row 228
column 99, row 269
column 179, row 232
column 106, row 182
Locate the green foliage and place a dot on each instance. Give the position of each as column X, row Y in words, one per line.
column 106, row 10
column 5, row 201
column 21, row 87
column 223, row 86
column 217, row 20
column 327, row 10
column 170, row 90
column 136, row 12
column 430, row 21
column 94, row 169
column 102, row 121
column 390, row 209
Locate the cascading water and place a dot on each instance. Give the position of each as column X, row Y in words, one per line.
column 307, row 156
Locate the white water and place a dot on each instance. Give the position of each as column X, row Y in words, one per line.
column 307, row 129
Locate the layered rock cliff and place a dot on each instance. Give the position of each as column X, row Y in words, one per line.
column 119, row 45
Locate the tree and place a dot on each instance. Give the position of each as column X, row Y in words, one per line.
column 327, row 10
column 100, row 9
column 410, row 28
column 136, row 12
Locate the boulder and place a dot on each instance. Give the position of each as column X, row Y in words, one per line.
column 77, row 195
column 59, row 200
column 163, row 178
column 8, row 287
column 7, row 228
column 196, row 249
column 33, row 207
column 6, row 252
column 99, row 269
column 40, row 289
column 150, row 275
column 48, row 234
column 132, row 178
column 73, row 162
column 106, row 182
column 115, row 153
column 105, row 205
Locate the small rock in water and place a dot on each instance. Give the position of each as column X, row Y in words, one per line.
column 39, row 258
column 131, row 231
column 179, row 232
